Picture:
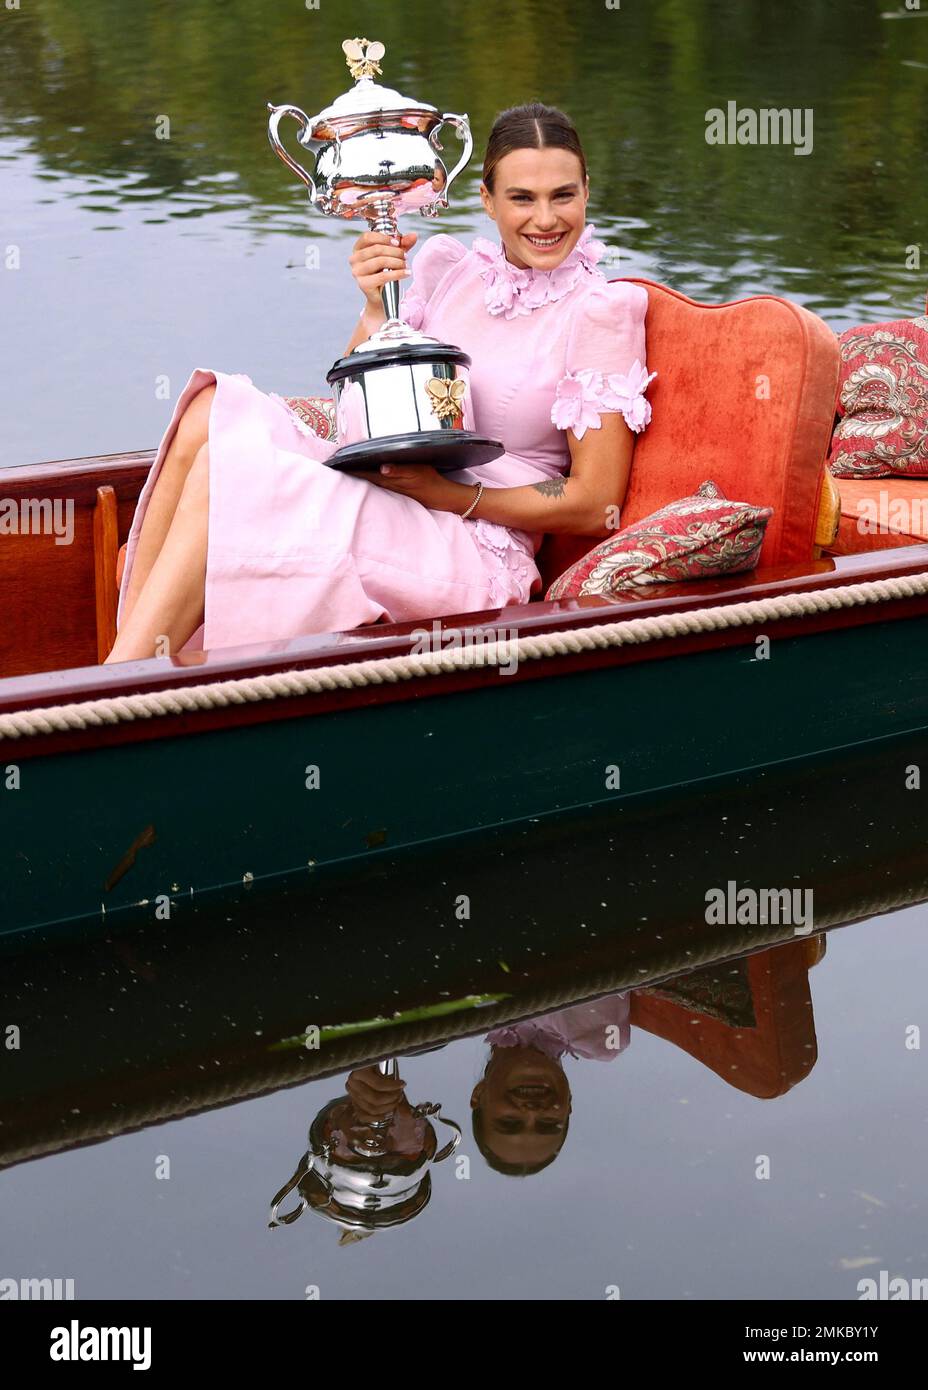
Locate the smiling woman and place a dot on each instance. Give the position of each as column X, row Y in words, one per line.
column 243, row 534
column 539, row 204
column 520, row 1108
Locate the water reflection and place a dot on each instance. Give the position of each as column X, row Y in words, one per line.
column 601, row 905
column 563, row 1027
column 367, row 1165
column 370, row 1151
column 520, row 1108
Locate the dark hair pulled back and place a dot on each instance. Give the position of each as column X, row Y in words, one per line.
column 533, row 126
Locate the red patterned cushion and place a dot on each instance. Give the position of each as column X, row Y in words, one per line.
column 699, row 537
column 883, row 401
column 315, row 412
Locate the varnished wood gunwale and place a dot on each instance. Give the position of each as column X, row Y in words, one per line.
column 59, row 475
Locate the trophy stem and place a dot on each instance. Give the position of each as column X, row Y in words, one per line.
column 376, row 1145
column 385, row 221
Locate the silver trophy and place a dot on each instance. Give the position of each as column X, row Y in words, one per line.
column 366, row 1175
column 401, row 395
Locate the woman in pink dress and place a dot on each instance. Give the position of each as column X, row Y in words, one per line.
column 242, row 533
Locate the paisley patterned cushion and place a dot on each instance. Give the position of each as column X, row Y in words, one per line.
column 315, row 414
column 699, row 537
column 883, row 401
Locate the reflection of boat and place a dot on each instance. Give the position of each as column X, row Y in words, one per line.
column 412, row 745
column 547, row 942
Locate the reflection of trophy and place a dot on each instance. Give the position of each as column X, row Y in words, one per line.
column 366, row 1174
column 401, row 394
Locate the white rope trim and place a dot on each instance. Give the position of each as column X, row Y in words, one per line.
column 631, row 631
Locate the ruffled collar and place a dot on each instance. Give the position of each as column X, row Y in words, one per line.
column 511, row 291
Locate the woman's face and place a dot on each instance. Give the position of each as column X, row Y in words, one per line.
column 524, row 1100
column 539, row 203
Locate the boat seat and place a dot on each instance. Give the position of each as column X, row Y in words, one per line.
column 745, row 394
column 880, row 513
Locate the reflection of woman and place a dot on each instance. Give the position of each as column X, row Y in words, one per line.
column 521, row 1107
column 753, row 1026
column 242, row 528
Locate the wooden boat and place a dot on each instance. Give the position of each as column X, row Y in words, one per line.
column 141, row 783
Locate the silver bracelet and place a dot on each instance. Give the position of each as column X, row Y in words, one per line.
column 479, row 487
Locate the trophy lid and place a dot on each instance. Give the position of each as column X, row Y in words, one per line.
column 394, row 334
column 367, row 97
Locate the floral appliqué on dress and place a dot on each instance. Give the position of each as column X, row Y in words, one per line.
column 512, row 291
column 582, row 396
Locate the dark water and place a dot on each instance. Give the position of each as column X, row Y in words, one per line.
column 761, row 1135
column 141, row 258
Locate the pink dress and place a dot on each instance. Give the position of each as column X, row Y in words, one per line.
column 297, row 547
column 600, row 1030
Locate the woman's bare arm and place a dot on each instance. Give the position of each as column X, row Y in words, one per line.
column 367, row 326
column 583, row 504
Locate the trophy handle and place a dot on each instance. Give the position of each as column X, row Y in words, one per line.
column 452, row 1143
column 319, row 1184
column 284, row 1219
column 303, row 120
column 462, row 126
column 432, row 1107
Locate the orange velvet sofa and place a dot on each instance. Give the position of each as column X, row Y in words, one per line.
column 745, row 394
column 880, row 513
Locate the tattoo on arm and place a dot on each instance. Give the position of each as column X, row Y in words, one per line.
column 551, row 487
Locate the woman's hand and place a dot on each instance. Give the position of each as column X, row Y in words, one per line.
column 377, row 259
column 374, row 1095
column 423, row 483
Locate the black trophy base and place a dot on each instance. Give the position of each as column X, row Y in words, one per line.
column 444, row 450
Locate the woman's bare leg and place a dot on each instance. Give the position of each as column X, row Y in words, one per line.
column 170, row 604
column 191, row 434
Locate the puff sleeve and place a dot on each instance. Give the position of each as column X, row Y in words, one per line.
column 606, row 364
column 429, row 265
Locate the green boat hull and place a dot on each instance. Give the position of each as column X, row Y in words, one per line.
column 87, row 834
